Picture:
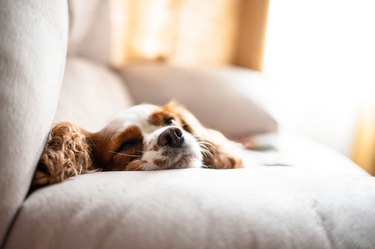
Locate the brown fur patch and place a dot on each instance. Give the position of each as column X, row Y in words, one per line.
column 155, row 147
column 159, row 117
column 66, row 154
column 168, row 111
column 218, row 158
column 161, row 162
column 107, row 152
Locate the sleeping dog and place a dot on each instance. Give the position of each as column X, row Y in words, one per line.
column 145, row 137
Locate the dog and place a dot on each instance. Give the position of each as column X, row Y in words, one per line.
column 144, row 137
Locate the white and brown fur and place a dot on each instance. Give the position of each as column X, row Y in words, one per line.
column 145, row 137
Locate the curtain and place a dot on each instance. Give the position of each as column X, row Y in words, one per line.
column 176, row 31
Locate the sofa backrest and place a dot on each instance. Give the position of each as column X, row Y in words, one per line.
column 33, row 41
column 89, row 29
column 92, row 92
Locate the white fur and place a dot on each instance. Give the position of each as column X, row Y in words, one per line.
column 138, row 116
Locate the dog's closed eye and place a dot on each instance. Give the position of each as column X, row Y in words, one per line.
column 127, row 144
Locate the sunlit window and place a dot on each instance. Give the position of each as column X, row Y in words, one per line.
column 321, row 57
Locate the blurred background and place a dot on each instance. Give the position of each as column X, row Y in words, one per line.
column 318, row 56
column 321, row 57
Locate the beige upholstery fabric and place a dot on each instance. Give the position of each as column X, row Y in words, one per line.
column 268, row 208
column 231, row 100
column 33, row 38
column 91, row 95
column 89, row 29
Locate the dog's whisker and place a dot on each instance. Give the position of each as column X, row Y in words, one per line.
column 206, row 143
column 200, row 141
column 206, row 146
column 203, row 146
column 124, row 154
column 206, row 152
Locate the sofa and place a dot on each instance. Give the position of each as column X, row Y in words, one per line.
column 292, row 193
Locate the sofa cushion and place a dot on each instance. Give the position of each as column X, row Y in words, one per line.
column 91, row 95
column 269, row 207
column 229, row 99
column 293, row 150
column 33, row 38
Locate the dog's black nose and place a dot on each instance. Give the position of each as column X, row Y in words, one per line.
column 171, row 137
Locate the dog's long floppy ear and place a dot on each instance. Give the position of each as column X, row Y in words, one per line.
column 66, row 154
column 218, row 151
column 221, row 155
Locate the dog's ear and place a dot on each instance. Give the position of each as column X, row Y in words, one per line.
column 219, row 157
column 66, row 154
column 218, row 151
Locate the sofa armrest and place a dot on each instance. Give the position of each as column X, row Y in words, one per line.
column 33, row 40
column 229, row 99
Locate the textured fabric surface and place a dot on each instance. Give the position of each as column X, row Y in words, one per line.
column 231, row 100
column 289, row 149
column 33, row 38
column 89, row 29
column 91, row 94
column 273, row 207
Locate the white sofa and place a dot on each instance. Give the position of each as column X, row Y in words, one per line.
column 300, row 196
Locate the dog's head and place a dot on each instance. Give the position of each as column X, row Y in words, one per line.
column 145, row 137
